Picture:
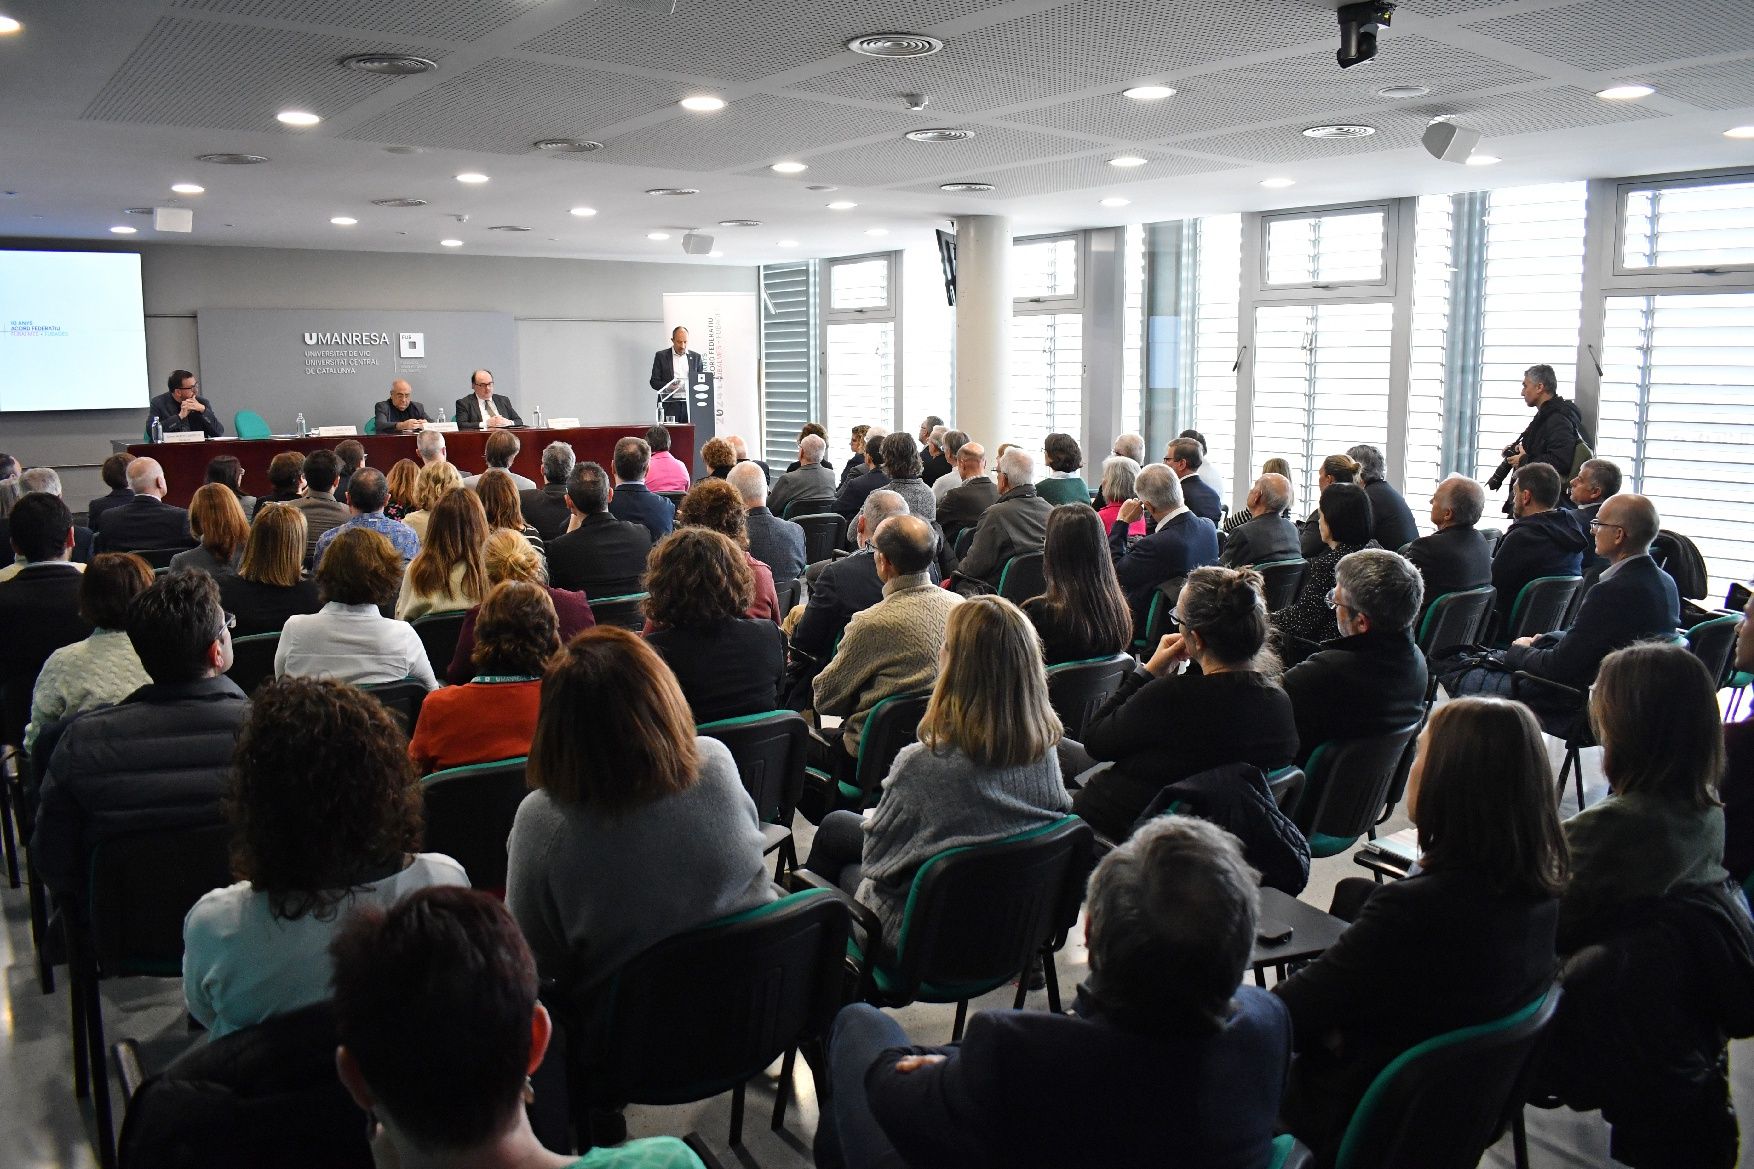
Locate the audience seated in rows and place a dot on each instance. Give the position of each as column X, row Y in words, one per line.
column 286, row 472
column 45, row 480
column 367, row 494
column 719, row 456
column 633, row 500
column 1166, row 723
column 145, row 521
column 349, row 638
column 1166, row 1059
column 1391, row 519
column 448, row 574
column 1541, row 541
column 869, row 477
column 114, row 473
column 217, row 520
column 102, row 669
column 637, row 829
column 508, row 556
column 599, row 555
column 1594, row 482
column 1456, row 557
column 1083, row 614
column 323, row 509
column 325, row 816
column 1062, row 483
column 160, row 758
column 716, row 506
column 1265, row 534
column 984, row 766
column 667, row 472
column 777, row 543
column 839, row 589
column 437, row 479
column 1469, row 938
column 351, row 452
column 857, row 465
column 404, row 481
column 1186, row 456
column 545, row 507
column 1371, row 679
column 954, row 441
column 1738, row 783
column 1242, row 515
column 962, row 506
column 493, row 715
column 498, row 452
column 901, row 465
column 39, row 606
column 1334, row 469
column 1179, row 540
column 1345, row 522
column 1014, row 524
column 500, row 506
column 270, row 585
column 809, row 478
column 1119, row 474
column 701, row 587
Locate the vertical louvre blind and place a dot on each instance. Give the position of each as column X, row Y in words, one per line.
column 788, row 354
column 1132, row 338
column 1321, row 384
column 1217, row 280
column 861, row 379
column 1047, row 377
column 1703, row 225
column 1426, row 421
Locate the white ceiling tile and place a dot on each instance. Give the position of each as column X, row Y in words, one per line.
column 446, row 20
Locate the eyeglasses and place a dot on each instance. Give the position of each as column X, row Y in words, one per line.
column 1602, row 524
column 1176, row 619
column 228, row 623
column 1333, row 598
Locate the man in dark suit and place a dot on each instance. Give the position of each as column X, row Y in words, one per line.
column 1594, row 482
column 1392, row 523
column 481, row 408
column 938, row 456
column 677, row 365
column 962, row 507
column 39, row 607
column 1016, row 523
column 1166, row 1059
column 115, row 476
column 399, row 413
column 1543, row 541
column 545, row 508
column 777, row 543
column 47, row 481
column 853, row 491
column 1184, row 458
column 1456, row 557
column 600, row 554
column 633, row 500
column 145, row 521
column 1176, row 543
column 183, row 408
column 1267, row 535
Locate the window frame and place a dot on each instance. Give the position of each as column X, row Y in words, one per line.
column 827, row 315
column 1379, row 289
column 1671, row 277
column 1063, row 302
column 890, row 309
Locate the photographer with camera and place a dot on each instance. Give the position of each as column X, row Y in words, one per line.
column 1552, row 437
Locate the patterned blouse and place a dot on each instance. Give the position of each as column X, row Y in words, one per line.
column 99, row 671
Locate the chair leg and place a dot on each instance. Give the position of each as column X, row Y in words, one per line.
column 1564, row 774
column 783, row 1093
column 1575, row 759
column 961, row 1018
column 1519, row 1139
column 39, row 931
column 76, row 1012
column 1053, row 977
column 737, row 1116
column 100, row 1076
column 8, row 833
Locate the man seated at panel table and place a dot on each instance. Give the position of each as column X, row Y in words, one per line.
column 399, row 413
column 182, row 408
column 146, row 521
column 481, row 408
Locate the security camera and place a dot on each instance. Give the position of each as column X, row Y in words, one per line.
column 1359, row 24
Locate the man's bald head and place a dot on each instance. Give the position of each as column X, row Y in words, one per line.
column 905, row 541
column 1273, row 493
column 1458, row 502
column 971, row 460
column 146, row 477
column 1636, row 519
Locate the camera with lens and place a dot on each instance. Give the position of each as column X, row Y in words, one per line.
column 1359, row 24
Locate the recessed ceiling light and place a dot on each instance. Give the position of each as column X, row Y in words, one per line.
column 1739, row 132
column 1115, row 201
column 387, row 64
column 343, row 220
column 842, row 205
column 895, row 44
column 404, row 150
column 228, row 159
column 788, row 243
column 583, row 212
column 1397, row 92
column 1149, row 92
column 136, row 211
column 1482, row 159
column 678, row 191
column 296, row 118
column 1275, row 184
column 124, row 229
column 1126, row 160
column 1339, row 130
column 876, row 231
column 716, row 254
column 940, row 134
column 567, row 145
column 703, row 104
column 789, row 168
column 657, row 235
column 451, row 243
column 8, row 26
column 472, row 176
column 188, row 188
column 966, row 187
column 1624, row 92
column 739, row 223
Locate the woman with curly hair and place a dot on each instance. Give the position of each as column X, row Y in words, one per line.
column 493, row 715
column 699, row 586
column 509, row 557
column 715, row 505
column 325, row 815
column 499, row 501
column 448, row 574
column 719, row 457
column 404, row 489
column 218, row 521
column 431, row 484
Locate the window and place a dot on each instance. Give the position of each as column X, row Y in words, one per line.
column 1132, row 334
column 1044, row 269
column 1047, row 378
column 1695, row 225
column 1326, row 248
column 1212, row 362
column 859, row 346
column 859, row 285
column 788, row 354
column 1430, row 371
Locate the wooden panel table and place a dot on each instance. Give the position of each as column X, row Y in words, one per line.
column 185, row 463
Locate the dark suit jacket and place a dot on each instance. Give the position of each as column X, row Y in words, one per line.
column 1638, row 602
column 1592, row 564
column 1391, row 519
column 663, row 369
column 142, row 522
column 854, row 493
column 844, row 587
column 1033, row 1090
column 1183, row 544
column 1201, row 499
column 637, row 503
column 962, row 507
column 605, row 557
column 1367, row 684
column 166, row 409
column 935, row 466
column 777, row 543
column 103, row 503
column 545, row 509
column 1451, row 560
column 1547, row 543
column 386, row 415
column 1016, row 523
column 39, row 610
column 469, row 411
column 1257, row 541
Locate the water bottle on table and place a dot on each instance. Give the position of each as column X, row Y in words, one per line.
column 155, row 431
column 537, row 415
column 303, row 430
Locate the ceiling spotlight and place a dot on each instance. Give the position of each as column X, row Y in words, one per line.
column 895, row 44
column 471, row 176
column 1739, row 132
column 1276, row 184
column 1624, row 92
column 567, row 145
column 124, row 229
column 876, row 231
column 1482, row 159
column 451, row 243
column 343, row 220
column 399, row 201
column 1115, row 201
column 966, row 187
column 788, row 243
column 940, row 134
column 1359, row 25
column 1398, row 92
column 1339, row 130
column 1149, row 92
column 583, row 212
column 1126, row 160
column 657, row 235
column 703, row 104
column 819, row 187
column 8, row 26
column 188, row 188
column 842, row 205
column 789, row 168
column 296, row 118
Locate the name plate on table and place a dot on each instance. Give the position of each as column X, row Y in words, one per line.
column 335, row 431
column 186, row 436
column 563, row 423
column 442, row 427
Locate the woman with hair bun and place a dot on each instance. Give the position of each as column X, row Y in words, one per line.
column 1163, row 725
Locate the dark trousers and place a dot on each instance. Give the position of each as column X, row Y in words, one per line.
column 836, row 852
column 848, row 1136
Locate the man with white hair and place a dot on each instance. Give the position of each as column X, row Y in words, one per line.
column 430, row 446
column 810, row 480
column 840, row 589
column 545, row 507
column 1128, row 446
column 1016, row 523
column 146, row 521
column 1267, row 535
column 1176, row 543
column 740, row 448
column 777, row 543
column 46, row 481
column 952, row 479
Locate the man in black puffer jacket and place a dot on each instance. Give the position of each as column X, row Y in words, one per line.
column 1551, row 437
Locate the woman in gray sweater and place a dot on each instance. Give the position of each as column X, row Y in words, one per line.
column 637, row 830
column 984, row 767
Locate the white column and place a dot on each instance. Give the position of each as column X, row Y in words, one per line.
column 983, row 327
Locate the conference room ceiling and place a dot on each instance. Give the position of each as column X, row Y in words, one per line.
column 106, row 103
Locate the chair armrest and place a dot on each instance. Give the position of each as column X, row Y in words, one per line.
column 802, row 880
column 1522, row 676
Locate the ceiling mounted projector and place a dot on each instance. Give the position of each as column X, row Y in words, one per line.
column 1449, row 142
column 696, row 244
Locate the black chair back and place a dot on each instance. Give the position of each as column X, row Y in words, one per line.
column 822, row 533
column 1078, row 689
column 157, row 557
column 1713, row 642
column 963, row 539
column 813, row 505
column 1157, row 622
column 891, row 725
column 439, row 633
column 1023, row 577
column 252, row 660
column 1492, row 536
column 469, row 813
column 623, row 611
column 1456, row 619
column 1349, row 781
column 403, row 698
column 1286, row 787
column 142, row 886
column 1541, row 606
column 790, row 592
column 1280, row 581
column 675, row 497
column 771, row 752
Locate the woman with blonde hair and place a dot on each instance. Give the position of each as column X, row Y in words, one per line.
column 270, row 585
column 449, row 572
column 433, row 482
column 508, row 556
column 499, row 501
column 218, row 521
column 984, row 766
column 404, row 489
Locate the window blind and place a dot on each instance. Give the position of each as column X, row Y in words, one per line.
column 1047, row 378
column 788, row 355
column 1218, row 282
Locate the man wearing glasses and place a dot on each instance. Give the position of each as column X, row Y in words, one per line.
column 481, row 408
column 183, row 408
